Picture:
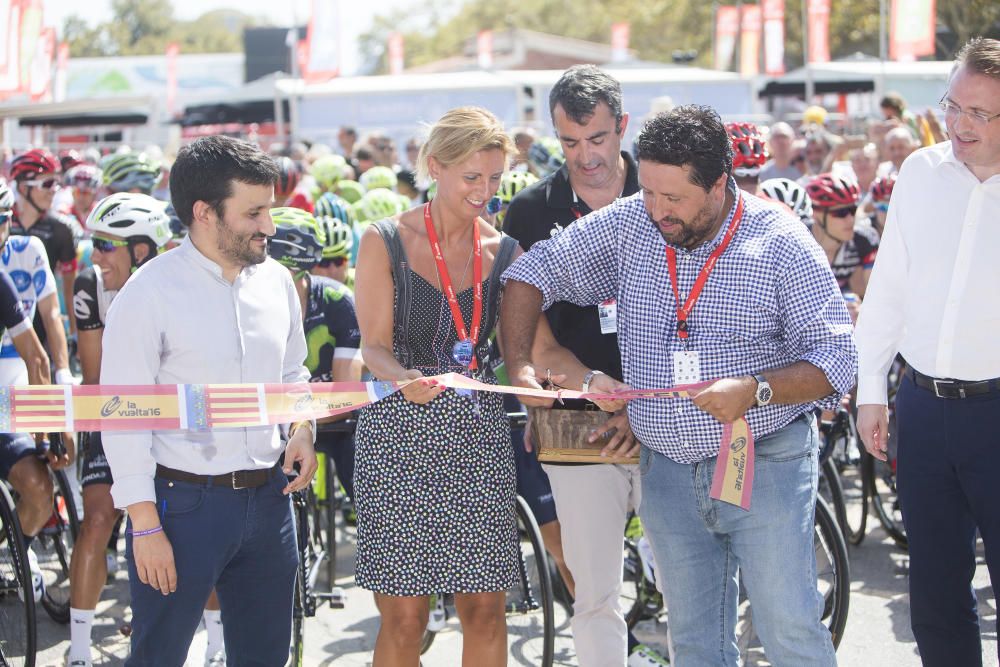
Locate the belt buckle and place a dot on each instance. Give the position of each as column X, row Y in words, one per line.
column 937, row 388
column 236, row 486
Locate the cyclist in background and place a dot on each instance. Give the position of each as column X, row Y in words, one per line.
column 338, row 243
column 83, row 180
column 791, row 194
column 749, row 155
column 286, row 191
column 881, row 192
column 130, row 172
column 330, row 205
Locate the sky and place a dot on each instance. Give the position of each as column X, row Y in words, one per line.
column 280, row 12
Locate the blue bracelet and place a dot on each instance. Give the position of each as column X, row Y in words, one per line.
column 143, row 533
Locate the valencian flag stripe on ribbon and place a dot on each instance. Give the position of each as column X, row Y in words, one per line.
column 202, row 407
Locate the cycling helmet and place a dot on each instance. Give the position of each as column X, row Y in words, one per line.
column 69, row 159
column 379, row 177
column 791, row 194
column 36, row 162
column 178, row 230
column 352, row 191
column 512, row 183
column 6, row 196
column 331, row 206
column 546, row 155
column 130, row 171
column 83, row 176
column 131, row 215
column 327, row 170
column 339, row 237
column 298, row 239
column 882, row 189
column 748, row 149
column 830, row 191
column 378, row 204
column 288, row 177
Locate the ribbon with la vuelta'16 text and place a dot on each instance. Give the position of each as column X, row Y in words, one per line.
column 202, row 407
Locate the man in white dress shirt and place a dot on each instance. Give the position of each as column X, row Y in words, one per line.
column 933, row 298
column 210, row 509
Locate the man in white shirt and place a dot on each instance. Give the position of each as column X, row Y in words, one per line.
column 210, row 509
column 932, row 297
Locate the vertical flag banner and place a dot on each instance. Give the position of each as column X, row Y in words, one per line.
column 31, row 31
column 173, row 49
column 62, row 71
column 10, row 32
column 619, row 42
column 396, row 54
column 912, row 24
column 774, row 36
column 40, row 86
column 727, row 26
column 818, row 15
column 323, row 40
column 484, row 49
column 751, row 27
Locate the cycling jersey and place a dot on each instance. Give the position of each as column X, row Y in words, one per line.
column 91, row 300
column 14, row 321
column 859, row 251
column 331, row 327
column 58, row 237
column 24, row 260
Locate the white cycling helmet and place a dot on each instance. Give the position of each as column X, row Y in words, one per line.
column 6, row 196
column 791, row 194
column 131, row 215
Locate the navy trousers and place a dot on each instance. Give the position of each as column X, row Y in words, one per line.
column 948, row 465
column 242, row 543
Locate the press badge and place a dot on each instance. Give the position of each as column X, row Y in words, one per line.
column 687, row 367
column 608, row 312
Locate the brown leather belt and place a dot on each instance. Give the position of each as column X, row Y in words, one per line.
column 239, row 479
column 952, row 388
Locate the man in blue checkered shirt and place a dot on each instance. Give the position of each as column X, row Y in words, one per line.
column 767, row 326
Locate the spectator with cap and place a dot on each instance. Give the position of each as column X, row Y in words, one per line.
column 781, row 153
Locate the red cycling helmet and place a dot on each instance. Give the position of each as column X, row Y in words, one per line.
column 288, row 178
column 748, row 148
column 882, row 188
column 69, row 159
column 829, row 191
column 32, row 164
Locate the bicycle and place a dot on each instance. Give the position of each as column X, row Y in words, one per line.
column 18, row 631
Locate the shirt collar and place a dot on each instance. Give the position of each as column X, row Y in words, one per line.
column 559, row 193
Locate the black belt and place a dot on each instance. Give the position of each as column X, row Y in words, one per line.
column 239, row 479
column 953, row 388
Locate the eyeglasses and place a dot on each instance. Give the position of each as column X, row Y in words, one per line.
column 335, row 261
column 6, row 216
column 978, row 117
column 843, row 212
column 106, row 245
column 44, row 184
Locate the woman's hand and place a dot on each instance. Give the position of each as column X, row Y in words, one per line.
column 422, row 390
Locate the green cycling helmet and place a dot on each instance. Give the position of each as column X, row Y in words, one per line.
column 379, row 177
column 327, row 170
column 124, row 172
column 298, row 239
column 513, row 182
column 339, row 237
column 330, row 205
column 352, row 191
column 546, row 155
column 378, row 204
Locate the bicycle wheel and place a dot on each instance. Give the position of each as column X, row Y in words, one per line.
column 833, row 580
column 832, row 491
column 332, row 508
column 847, row 456
column 18, row 632
column 881, row 479
column 300, row 512
column 530, row 614
column 53, row 547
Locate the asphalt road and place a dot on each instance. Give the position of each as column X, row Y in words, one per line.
column 878, row 629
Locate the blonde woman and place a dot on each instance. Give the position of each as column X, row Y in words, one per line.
column 435, row 472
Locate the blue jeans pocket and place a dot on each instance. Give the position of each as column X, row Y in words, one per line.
column 176, row 498
column 795, row 441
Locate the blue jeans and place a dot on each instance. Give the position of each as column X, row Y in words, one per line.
column 701, row 545
column 242, row 543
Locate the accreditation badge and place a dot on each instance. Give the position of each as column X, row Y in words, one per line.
column 687, row 367
column 607, row 310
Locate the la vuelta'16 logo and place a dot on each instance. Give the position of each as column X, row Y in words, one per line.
column 109, row 408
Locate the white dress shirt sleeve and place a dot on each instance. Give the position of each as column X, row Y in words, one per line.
column 131, row 349
column 293, row 369
column 882, row 322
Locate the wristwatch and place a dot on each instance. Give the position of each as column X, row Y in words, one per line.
column 764, row 393
column 588, row 378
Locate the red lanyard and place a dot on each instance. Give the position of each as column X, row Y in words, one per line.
column 684, row 311
column 449, row 291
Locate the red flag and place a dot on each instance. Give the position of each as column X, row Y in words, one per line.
column 912, row 26
column 173, row 48
column 10, row 48
column 750, row 40
column 819, row 30
column 484, row 48
column 619, row 41
column 727, row 26
column 40, row 87
column 774, row 36
column 395, row 48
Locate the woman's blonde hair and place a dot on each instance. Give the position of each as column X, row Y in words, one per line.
column 459, row 134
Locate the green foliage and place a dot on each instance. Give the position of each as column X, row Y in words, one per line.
column 146, row 27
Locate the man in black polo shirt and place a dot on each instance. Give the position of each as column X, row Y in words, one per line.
column 592, row 501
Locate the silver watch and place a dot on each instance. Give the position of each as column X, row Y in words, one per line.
column 764, row 393
column 588, row 378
